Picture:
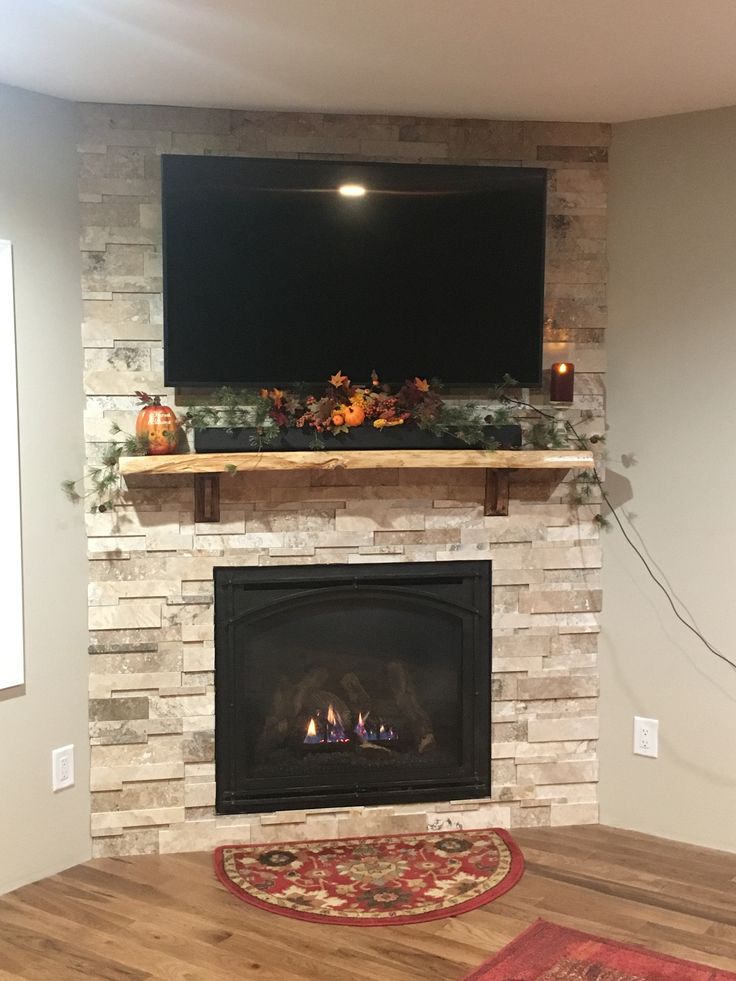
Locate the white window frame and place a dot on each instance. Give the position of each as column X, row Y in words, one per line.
column 12, row 667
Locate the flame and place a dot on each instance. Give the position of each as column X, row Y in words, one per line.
column 562, row 369
column 360, row 730
column 333, row 717
column 312, row 728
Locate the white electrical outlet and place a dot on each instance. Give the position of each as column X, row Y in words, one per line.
column 62, row 768
column 646, row 736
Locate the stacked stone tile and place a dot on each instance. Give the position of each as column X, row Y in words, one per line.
column 150, row 592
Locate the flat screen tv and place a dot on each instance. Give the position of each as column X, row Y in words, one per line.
column 283, row 271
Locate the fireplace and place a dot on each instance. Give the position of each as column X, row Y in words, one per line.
column 365, row 683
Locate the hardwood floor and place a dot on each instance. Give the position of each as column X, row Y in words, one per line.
column 167, row 918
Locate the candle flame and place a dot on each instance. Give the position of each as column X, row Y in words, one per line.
column 562, row 369
column 312, row 728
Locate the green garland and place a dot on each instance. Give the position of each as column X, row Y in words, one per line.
column 236, row 409
column 104, row 480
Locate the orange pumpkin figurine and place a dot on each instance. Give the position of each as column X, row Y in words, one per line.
column 157, row 425
column 354, row 414
column 338, row 419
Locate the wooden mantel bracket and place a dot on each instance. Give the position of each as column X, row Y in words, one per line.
column 496, row 501
column 206, row 497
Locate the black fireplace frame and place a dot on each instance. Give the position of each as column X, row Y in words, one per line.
column 469, row 781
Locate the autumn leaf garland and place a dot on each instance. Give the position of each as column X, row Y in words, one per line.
column 344, row 406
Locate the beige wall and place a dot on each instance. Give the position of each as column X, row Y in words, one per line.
column 672, row 357
column 42, row 832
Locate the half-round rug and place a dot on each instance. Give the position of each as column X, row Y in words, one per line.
column 386, row 880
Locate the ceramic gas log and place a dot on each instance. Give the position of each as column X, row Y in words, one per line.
column 348, row 718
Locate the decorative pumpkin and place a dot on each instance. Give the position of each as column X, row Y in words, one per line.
column 354, row 415
column 157, row 424
column 338, row 419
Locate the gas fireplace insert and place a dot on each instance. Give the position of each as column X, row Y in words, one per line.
column 366, row 683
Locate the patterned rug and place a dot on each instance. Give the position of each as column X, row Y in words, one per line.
column 385, row 880
column 546, row 952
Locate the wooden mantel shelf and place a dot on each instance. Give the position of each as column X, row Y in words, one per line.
column 358, row 460
column 206, row 467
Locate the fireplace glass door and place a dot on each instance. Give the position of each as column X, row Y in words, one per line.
column 351, row 684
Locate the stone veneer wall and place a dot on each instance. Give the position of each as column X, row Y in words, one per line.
column 150, row 592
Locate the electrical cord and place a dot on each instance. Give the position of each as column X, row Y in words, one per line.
column 583, row 444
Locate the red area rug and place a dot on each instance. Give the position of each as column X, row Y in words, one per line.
column 546, row 952
column 378, row 881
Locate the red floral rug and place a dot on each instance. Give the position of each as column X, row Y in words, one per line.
column 546, row 952
column 378, row 881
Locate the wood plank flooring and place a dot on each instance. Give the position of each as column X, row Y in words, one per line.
column 166, row 918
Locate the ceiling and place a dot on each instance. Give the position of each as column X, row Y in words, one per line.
column 603, row 60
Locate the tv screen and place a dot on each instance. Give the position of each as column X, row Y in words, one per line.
column 284, row 271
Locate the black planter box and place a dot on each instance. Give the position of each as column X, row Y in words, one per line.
column 407, row 437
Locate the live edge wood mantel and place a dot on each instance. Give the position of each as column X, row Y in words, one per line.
column 207, row 467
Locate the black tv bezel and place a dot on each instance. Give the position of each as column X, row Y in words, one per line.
column 450, row 385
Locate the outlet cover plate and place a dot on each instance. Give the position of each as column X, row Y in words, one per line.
column 646, row 736
column 62, row 768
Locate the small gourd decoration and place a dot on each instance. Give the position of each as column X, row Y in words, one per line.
column 157, row 425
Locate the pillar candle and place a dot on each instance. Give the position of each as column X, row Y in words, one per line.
column 561, row 381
